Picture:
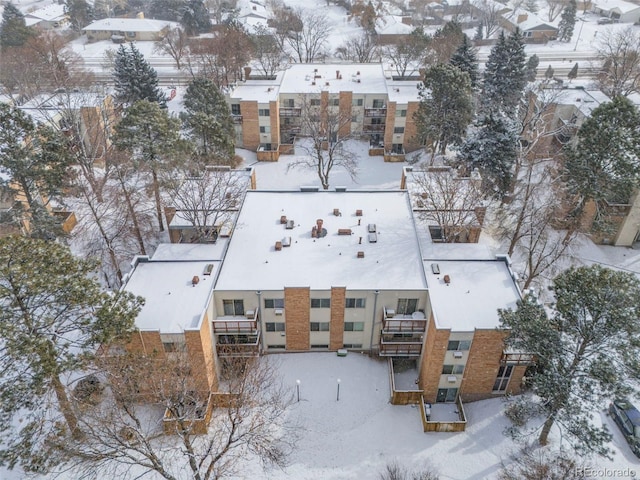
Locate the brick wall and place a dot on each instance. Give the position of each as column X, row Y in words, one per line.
column 435, row 348
column 411, row 143
column 346, row 102
column 336, row 326
column 250, row 127
column 146, row 342
column 274, row 119
column 200, row 354
column 390, row 124
column 482, row 364
column 297, row 306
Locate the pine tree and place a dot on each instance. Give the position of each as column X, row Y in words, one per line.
column 573, row 73
column 548, row 74
column 478, row 34
column 134, row 78
column 604, row 165
column 532, row 68
column 208, row 120
column 54, row 317
column 194, row 17
column 446, row 107
column 505, row 74
column 153, row 138
column 567, row 22
column 465, row 59
column 13, row 29
column 586, row 350
column 80, row 13
column 34, row 161
column 491, row 148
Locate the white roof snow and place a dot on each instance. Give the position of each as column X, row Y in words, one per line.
column 393, row 262
column 173, row 303
column 358, row 78
column 476, row 291
column 128, row 25
column 191, row 251
column 50, row 13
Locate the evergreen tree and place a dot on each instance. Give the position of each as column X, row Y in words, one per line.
column 532, row 68
column 548, row 74
column 465, row 59
column 153, row 138
column 208, row 121
column 13, row 29
column 166, row 9
column 80, row 13
column 604, row 165
column 446, row 107
column 505, row 74
column 492, row 148
column 567, row 22
column 478, row 34
column 586, row 350
column 194, row 17
column 34, row 161
column 53, row 317
column 134, row 78
column 573, row 73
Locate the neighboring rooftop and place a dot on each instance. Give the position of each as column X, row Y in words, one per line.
column 393, row 262
column 173, row 302
column 50, row 13
column 128, row 25
column 475, row 292
column 204, row 252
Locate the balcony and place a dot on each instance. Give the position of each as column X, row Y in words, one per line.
column 244, row 327
column 238, row 345
column 375, row 112
column 236, row 119
column 373, row 128
column 293, row 129
column 517, row 358
column 290, row 112
column 398, row 323
column 400, row 350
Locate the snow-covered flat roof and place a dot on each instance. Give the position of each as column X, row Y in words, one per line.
column 128, row 25
column 359, row 78
column 261, row 91
column 618, row 5
column 173, row 303
column 191, row 251
column 49, row 13
column 476, row 291
column 584, row 100
column 404, row 91
column 393, row 262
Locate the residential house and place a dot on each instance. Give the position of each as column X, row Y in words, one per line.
column 47, row 18
column 127, row 29
column 533, row 28
column 391, row 29
column 618, row 10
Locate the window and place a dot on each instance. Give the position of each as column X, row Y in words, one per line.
column 406, row 306
column 398, row 129
column 265, row 129
column 354, row 119
column 334, row 102
column 353, row 326
column 397, row 148
column 288, row 103
column 354, row 302
column 235, row 109
column 315, row 102
column 131, row 34
column 317, row 345
column 502, row 380
column 263, row 112
column 274, row 326
column 401, row 113
column 459, row 345
column 378, row 104
column 276, row 347
column 274, row 303
column 319, row 326
column 358, row 102
column 352, row 345
column 233, row 307
column 452, row 369
column 169, row 347
column 447, row 395
column 320, row 303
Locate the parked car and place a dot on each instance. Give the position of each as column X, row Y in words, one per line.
column 628, row 419
column 605, row 21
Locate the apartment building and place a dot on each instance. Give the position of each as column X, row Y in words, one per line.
column 317, row 270
column 268, row 112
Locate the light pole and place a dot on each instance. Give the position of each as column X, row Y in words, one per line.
column 338, row 394
column 298, row 389
column 579, row 32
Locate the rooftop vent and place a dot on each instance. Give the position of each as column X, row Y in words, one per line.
column 373, row 237
column 336, row 212
column 318, row 231
column 309, row 188
column 208, row 269
column 195, row 280
column 435, row 268
column 371, row 228
column 358, row 213
column 290, row 224
column 344, row 231
column 283, row 219
column 286, row 242
column 447, row 279
column 341, row 189
column 360, row 254
column 278, row 246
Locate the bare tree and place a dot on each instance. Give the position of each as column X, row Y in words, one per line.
column 443, row 198
column 121, row 436
column 407, row 57
column 208, row 200
column 309, row 41
column 555, row 8
column 359, row 49
column 619, row 51
column 489, row 13
column 531, row 463
column 328, row 131
column 175, row 44
column 267, row 51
